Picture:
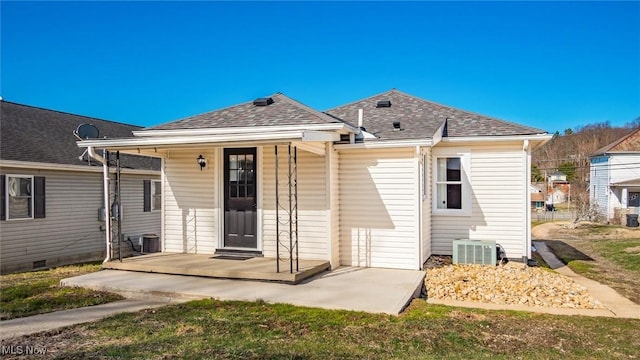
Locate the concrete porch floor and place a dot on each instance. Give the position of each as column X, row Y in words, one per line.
column 347, row 288
column 207, row 265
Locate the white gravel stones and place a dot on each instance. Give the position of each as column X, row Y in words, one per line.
column 508, row 284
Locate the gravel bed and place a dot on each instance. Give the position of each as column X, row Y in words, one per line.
column 505, row 284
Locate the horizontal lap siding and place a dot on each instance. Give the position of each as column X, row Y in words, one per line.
column 190, row 202
column 600, row 184
column 498, row 180
column 70, row 232
column 313, row 219
column 378, row 208
column 134, row 220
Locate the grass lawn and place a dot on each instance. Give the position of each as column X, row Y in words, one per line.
column 606, row 253
column 37, row 292
column 242, row 330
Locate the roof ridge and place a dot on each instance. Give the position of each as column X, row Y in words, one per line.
column 394, row 90
column 360, row 100
column 68, row 113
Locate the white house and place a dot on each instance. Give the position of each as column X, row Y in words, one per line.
column 51, row 194
column 385, row 181
column 615, row 177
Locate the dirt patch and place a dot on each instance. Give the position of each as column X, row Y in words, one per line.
column 633, row 250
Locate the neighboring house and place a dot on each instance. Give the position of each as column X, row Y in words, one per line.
column 386, row 181
column 537, row 198
column 559, row 190
column 615, row 178
column 51, row 194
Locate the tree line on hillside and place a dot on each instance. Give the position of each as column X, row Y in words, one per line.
column 570, row 154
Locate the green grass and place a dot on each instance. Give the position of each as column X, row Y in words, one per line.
column 242, row 330
column 37, row 292
column 615, row 251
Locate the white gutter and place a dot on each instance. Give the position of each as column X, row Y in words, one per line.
column 385, row 144
column 151, row 142
column 535, row 137
column 63, row 167
column 107, row 210
column 244, row 130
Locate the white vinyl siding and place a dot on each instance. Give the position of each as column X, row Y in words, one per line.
column 498, row 180
column 379, row 194
column 71, row 231
column 313, row 219
column 191, row 206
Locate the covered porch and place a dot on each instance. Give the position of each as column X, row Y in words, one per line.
column 212, row 266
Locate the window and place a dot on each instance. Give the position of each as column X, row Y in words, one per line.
column 452, row 188
column 22, row 197
column 156, row 194
column 20, row 201
column 449, row 183
column 152, row 195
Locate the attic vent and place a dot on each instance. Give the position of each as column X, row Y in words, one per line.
column 263, row 101
column 383, row 103
column 396, row 126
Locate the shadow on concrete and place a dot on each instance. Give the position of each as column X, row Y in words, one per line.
column 565, row 252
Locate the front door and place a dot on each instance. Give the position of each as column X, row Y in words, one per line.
column 240, row 198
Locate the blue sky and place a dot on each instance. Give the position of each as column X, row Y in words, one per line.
column 551, row 65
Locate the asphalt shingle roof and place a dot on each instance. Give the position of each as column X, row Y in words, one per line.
column 283, row 111
column 34, row 134
column 421, row 118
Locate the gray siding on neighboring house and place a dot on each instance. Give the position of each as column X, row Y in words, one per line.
column 599, row 181
column 70, row 231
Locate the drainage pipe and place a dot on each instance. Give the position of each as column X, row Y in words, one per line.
column 105, row 186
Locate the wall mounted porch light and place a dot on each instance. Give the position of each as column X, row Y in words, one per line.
column 201, row 161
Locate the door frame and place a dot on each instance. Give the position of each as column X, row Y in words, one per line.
column 221, row 207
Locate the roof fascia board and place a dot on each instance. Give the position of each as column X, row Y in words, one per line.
column 385, row 144
column 64, row 167
column 244, row 130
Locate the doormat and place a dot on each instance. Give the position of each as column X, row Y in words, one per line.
column 230, row 257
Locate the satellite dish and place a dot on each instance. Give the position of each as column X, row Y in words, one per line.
column 86, row 131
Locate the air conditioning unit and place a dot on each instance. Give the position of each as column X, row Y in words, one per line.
column 467, row 251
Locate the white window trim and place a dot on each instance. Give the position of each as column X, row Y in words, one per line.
column 465, row 161
column 153, row 193
column 7, row 196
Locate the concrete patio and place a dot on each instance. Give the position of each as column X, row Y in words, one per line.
column 348, row 288
column 207, row 265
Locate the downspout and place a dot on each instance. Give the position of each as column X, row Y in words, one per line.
column 107, row 210
column 420, row 205
column 527, row 204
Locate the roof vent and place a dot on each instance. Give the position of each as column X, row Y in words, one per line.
column 263, row 101
column 383, row 103
column 396, row 126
